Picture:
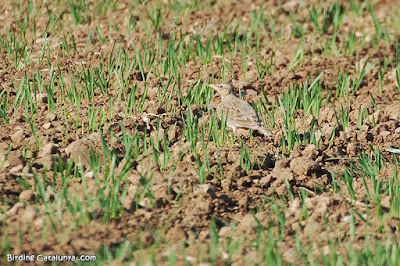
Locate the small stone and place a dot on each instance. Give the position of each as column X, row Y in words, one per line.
column 51, row 116
column 309, row 203
column 128, row 203
column 145, row 203
column 27, row 195
column 225, row 255
column 225, row 231
column 326, row 250
column 351, row 149
column 385, row 202
column 205, row 189
column 364, row 128
column 48, row 149
column 40, row 97
column 89, row 174
column 346, row 218
column 291, row 5
column 385, row 133
column 26, row 169
column 46, row 125
column 18, row 136
column 39, row 222
column 16, row 169
column 266, row 179
column 29, row 214
column 191, row 259
column 295, row 205
column 70, row 148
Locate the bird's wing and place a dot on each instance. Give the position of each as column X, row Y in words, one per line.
column 240, row 113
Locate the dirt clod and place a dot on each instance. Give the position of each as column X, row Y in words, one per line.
column 27, row 195
column 303, row 166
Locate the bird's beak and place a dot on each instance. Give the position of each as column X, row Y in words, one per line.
column 213, row 86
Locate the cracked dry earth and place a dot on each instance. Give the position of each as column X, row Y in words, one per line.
column 49, row 190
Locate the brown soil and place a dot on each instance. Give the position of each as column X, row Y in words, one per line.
column 180, row 209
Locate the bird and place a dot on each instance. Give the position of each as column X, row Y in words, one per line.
column 240, row 114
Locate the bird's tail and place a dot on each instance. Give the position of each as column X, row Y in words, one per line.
column 264, row 131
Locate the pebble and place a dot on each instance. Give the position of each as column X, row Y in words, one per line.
column 40, row 97
column 46, row 125
column 385, row 133
column 27, row 195
column 29, row 214
column 48, row 149
column 16, row 169
column 18, row 136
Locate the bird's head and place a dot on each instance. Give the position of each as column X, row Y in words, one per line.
column 223, row 89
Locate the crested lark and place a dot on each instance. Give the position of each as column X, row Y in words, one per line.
column 240, row 114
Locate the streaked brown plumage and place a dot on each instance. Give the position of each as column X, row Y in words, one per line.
column 240, row 114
